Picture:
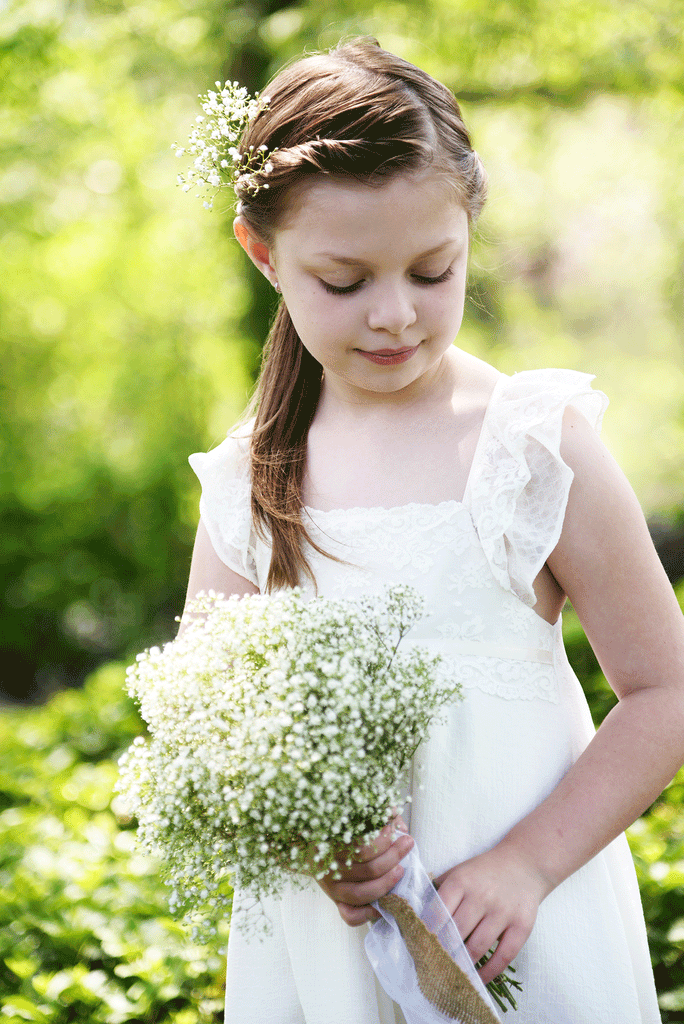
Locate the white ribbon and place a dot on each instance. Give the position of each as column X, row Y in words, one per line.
column 391, row 960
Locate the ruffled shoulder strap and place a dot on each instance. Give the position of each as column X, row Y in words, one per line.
column 225, row 502
column 519, row 485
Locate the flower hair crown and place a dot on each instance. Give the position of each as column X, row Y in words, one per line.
column 214, row 143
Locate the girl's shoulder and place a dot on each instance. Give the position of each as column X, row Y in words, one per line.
column 534, row 392
column 229, row 459
column 224, row 475
column 514, row 406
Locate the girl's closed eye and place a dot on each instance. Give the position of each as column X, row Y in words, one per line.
column 424, row 279
column 420, row 278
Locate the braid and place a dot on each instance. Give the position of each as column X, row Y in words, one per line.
column 328, row 156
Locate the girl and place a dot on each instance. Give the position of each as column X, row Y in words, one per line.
column 379, row 453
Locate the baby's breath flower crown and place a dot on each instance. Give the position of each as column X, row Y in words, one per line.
column 214, row 142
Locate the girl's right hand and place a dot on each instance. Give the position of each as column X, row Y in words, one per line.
column 374, row 870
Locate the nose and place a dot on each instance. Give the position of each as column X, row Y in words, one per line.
column 391, row 308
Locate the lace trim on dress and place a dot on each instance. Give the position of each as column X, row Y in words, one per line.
column 519, row 485
column 501, row 670
column 409, row 538
column 503, row 677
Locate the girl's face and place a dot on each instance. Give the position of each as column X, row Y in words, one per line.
column 373, row 279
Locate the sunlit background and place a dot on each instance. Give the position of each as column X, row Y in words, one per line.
column 131, row 326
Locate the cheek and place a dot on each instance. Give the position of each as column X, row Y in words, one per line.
column 457, row 296
column 448, row 308
column 320, row 315
column 314, row 321
column 445, row 314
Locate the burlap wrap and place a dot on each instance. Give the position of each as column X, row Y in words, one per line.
column 419, row 957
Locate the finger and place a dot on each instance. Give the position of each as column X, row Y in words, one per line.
column 363, row 871
column 467, row 917
column 450, row 891
column 384, row 838
column 484, row 936
column 358, row 894
column 379, row 846
column 511, row 943
column 355, row 916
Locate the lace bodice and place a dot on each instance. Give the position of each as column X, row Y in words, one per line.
column 486, row 635
column 515, row 496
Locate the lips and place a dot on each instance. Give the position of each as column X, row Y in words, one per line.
column 390, row 351
column 388, row 356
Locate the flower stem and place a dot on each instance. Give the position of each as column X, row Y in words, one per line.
column 500, row 987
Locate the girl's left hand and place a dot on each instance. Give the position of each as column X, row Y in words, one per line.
column 493, row 898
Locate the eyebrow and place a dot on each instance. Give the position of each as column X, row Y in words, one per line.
column 352, row 261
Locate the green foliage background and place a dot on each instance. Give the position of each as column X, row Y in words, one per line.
column 131, row 328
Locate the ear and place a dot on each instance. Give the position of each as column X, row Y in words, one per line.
column 257, row 250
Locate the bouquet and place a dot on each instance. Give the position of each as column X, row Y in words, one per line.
column 279, row 729
column 279, row 732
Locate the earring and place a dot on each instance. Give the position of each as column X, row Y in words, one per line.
column 276, row 286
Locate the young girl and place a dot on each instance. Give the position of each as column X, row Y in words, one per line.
column 382, row 453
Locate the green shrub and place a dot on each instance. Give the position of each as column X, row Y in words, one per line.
column 657, row 842
column 85, row 933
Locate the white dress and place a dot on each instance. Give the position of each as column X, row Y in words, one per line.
column 523, row 721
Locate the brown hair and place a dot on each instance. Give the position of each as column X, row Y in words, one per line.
column 356, row 112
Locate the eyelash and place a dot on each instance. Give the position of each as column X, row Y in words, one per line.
column 334, row 290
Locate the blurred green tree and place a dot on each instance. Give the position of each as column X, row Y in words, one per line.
column 121, row 317
column 131, row 325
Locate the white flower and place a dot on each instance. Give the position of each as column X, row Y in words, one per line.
column 226, row 117
column 259, row 715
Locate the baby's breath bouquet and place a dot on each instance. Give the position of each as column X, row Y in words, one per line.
column 279, row 728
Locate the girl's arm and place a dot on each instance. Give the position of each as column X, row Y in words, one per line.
column 606, row 564
column 208, row 572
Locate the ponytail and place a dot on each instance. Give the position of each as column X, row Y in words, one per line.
column 285, row 401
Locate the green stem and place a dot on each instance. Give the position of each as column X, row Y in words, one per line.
column 500, row 988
